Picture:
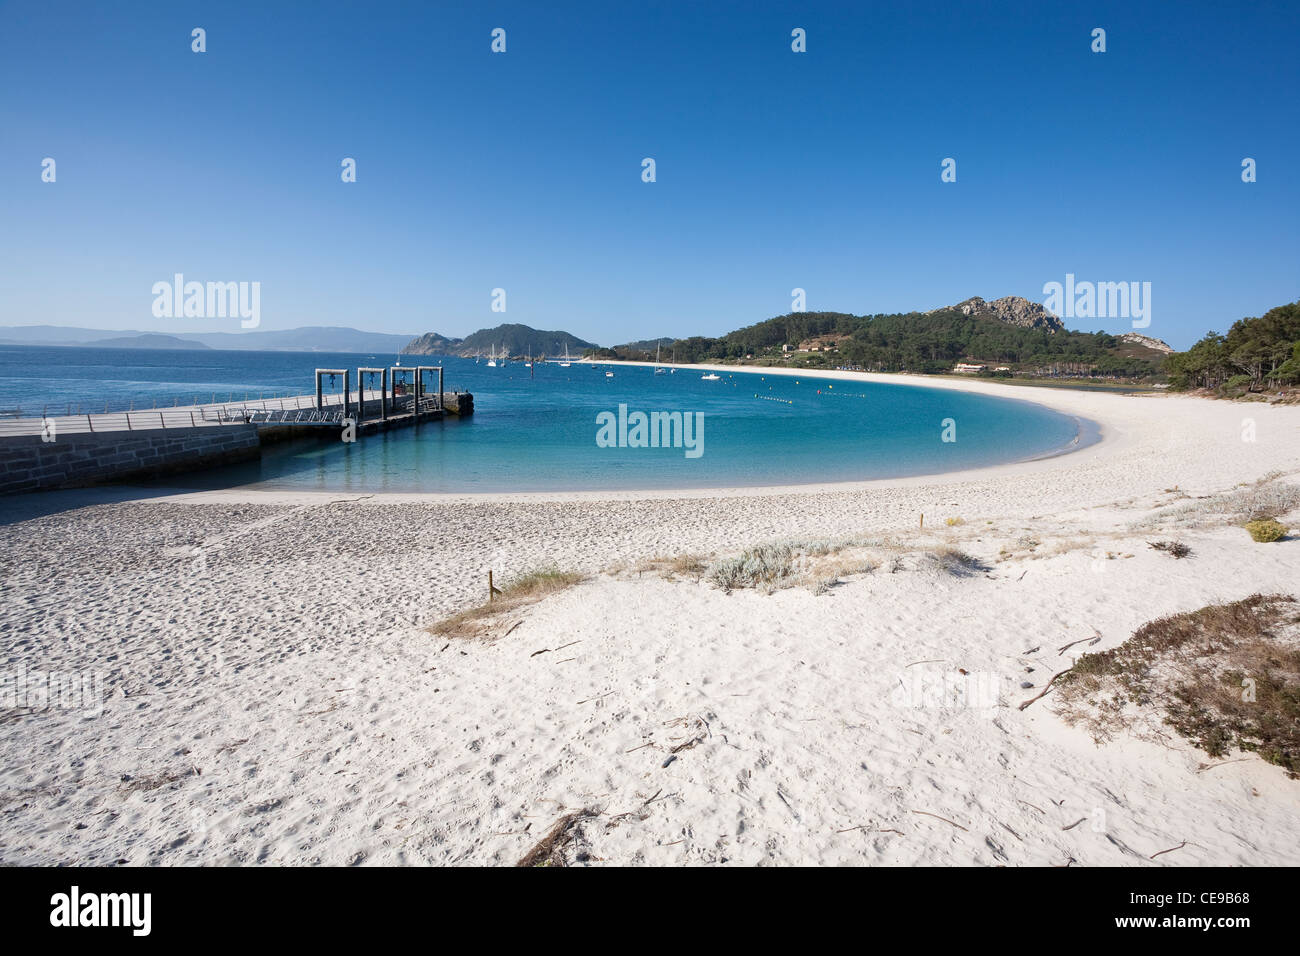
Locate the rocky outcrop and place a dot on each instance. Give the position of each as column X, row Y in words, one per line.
column 430, row 343
column 1146, row 341
column 1011, row 309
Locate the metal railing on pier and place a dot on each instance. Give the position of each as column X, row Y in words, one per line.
column 82, row 407
column 279, row 410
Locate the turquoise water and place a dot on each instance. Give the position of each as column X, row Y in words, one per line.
column 537, row 432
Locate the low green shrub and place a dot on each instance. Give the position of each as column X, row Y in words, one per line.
column 1265, row 530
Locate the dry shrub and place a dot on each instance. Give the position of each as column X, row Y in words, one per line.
column 673, row 566
column 1196, row 672
column 767, row 565
column 824, row 573
column 820, row 563
column 953, row 561
column 817, row 563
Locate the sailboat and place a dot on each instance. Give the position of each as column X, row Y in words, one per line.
column 565, row 363
column 659, row 369
column 492, row 362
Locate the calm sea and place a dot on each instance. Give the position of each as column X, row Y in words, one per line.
column 535, row 429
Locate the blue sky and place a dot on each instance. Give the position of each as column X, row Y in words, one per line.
column 522, row 170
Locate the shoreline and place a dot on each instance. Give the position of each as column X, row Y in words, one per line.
column 1101, row 438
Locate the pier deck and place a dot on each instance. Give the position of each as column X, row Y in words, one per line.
column 295, row 410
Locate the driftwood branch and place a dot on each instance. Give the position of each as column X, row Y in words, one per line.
column 1051, row 680
column 1170, row 850
column 944, row 819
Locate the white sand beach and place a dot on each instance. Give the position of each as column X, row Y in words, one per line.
column 272, row 695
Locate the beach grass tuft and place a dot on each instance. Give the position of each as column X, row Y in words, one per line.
column 1267, row 498
column 519, row 592
column 673, row 566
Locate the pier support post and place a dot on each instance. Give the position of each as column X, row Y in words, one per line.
column 347, row 394
column 420, row 388
column 362, row 372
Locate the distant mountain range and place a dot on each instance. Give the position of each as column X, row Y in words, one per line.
column 508, row 340
column 313, row 338
column 149, row 340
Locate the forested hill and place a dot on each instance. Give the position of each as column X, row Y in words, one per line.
column 928, row 342
column 1256, row 354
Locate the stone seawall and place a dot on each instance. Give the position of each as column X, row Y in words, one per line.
column 79, row 459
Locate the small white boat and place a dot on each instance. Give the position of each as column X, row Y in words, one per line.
column 659, row 369
column 710, row 377
column 565, row 363
column 492, row 362
column 609, row 374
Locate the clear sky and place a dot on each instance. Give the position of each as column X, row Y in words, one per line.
column 522, row 170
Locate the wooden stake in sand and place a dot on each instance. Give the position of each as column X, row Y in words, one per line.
column 492, row 591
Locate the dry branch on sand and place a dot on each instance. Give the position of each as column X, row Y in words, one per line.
column 1175, row 549
column 550, row 850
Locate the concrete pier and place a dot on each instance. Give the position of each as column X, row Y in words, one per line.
column 71, row 451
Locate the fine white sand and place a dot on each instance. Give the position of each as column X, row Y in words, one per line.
column 270, row 694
